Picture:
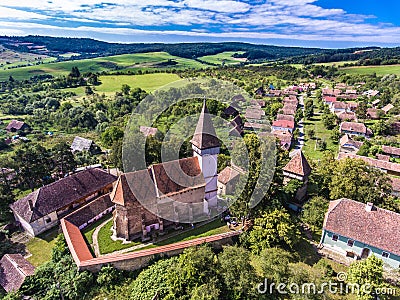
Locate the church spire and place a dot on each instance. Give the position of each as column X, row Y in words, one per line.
column 205, row 136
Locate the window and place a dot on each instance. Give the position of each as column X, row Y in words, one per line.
column 350, row 243
column 48, row 220
column 385, row 254
column 335, row 237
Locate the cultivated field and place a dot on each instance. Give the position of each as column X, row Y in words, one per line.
column 220, row 58
column 142, row 61
column 378, row 70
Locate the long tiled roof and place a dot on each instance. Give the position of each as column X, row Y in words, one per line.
column 377, row 228
column 14, row 124
column 391, row 150
column 62, row 193
column 381, row 164
column 354, row 127
column 14, row 268
column 90, row 210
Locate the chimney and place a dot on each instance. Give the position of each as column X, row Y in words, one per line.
column 369, row 206
column 30, row 203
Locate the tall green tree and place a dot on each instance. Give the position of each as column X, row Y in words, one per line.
column 63, row 159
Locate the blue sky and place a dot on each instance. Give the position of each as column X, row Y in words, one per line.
column 313, row 23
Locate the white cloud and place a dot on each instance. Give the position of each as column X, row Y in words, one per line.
column 16, row 14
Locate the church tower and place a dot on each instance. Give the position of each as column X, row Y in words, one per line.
column 206, row 146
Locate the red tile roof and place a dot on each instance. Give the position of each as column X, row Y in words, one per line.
column 62, row 193
column 285, row 117
column 147, row 131
column 14, row 268
column 283, row 124
column 15, row 125
column 381, row 164
column 298, row 165
column 227, row 175
column 353, row 127
column 76, row 243
column 391, row 150
column 330, row 99
column 347, row 115
column 377, row 228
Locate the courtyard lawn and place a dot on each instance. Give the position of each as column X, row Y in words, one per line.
column 321, row 133
column 378, row 70
column 88, row 231
column 41, row 247
column 106, row 244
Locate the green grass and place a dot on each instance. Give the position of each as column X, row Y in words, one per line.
column 321, row 133
column 88, row 231
column 41, row 247
column 106, row 244
column 379, row 70
column 140, row 61
column 147, row 82
column 220, row 58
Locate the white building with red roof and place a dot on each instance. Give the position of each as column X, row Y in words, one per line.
column 357, row 230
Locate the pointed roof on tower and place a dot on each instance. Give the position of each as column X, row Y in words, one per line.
column 205, row 137
column 298, row 165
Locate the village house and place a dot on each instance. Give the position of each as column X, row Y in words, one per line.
column 348, row 145
column 353, row 128
column 254, row 113
column 391, row 151
column 17, row 126
column 283, row 125
column 329, row 99
column 148, row 131
column 387, row 108
column 42, row 209
column 80, row 144
column 288, row 109
column 298, row 168
column 375, row 102
column 347, row 116
column 231, row 111
column 14, row 268
column 284, row 137
column 227, row 180
column 285, row 117
column 183, row 189
column 395, row 183
column 385, row 166
column 371, row 93
column 374, row 113
column 357, row 230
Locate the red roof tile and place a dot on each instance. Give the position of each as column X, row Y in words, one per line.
column 381, row 164
column 283, row 124
column 227, row 175
column 377, row 228
column 391, row 150
column 298, row 165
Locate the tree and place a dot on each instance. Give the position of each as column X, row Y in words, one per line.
column 314, row 212
column 274, row 264
column 239, row 276
column 311, row 134
column 380, row 128
column 329, row 120
column 361, row 110
column 125, row 89
column 335, row 135
column 33, row 165
column 308, row 109
column 75, row 73
column 354, row 179
column 367, row 272
column 88, row 91
column 63, row 159
column 272, row 229
column 111, row 135
column 194, row 268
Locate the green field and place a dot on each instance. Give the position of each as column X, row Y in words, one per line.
column 220, row 58
column 378, row 70
column 147, row 82
column 140, row 61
